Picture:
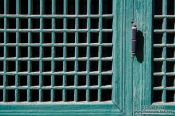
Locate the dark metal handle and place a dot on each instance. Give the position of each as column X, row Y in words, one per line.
column 134, row 40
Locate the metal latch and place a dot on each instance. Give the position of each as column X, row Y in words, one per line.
column 134, row 40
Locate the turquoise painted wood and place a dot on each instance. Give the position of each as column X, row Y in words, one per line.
column 152, row 76
column 34, row 100
column 142, row 64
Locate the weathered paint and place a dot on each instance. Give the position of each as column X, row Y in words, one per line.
column 122, row 71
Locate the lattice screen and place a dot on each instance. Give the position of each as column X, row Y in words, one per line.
column 164, row 51
column 55, row 50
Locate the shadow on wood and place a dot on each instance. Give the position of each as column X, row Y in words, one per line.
column 140, row 47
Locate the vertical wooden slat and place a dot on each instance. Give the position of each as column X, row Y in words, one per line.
column 174, row 49
column 64, row 50
column 17, row 51
column 29, row 53
column 76, row 51
column 100, row 49
column 88, row 50
column 53, row 53
column 164, row 53
column 41, row 52
column 5, row 52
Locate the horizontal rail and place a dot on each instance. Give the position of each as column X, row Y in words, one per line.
column 54, row 16
column 163, row 73
column 162, row 59
column 164, row 45
column 164, row 16
column 163, row 31
column 55, row 102
column 57, row 59
column 55, row 44
column 57, row 87
column 164, row 88
column 55, row 30
column 59, row 73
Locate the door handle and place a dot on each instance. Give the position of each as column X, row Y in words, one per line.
column 134, row 40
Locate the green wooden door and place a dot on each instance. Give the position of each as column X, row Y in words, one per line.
column 154, row 92
column 65, row 57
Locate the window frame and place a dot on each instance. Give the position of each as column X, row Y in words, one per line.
column 113, row 108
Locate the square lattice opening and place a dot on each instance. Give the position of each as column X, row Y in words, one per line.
column 56, row 52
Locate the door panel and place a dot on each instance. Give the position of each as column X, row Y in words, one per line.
column 63, row 56
column 142, row 63
column 156, row 78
